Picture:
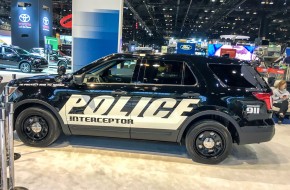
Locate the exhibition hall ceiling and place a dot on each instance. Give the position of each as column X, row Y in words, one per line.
column 156, row 19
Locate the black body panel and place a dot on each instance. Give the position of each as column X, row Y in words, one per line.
column 140, row 110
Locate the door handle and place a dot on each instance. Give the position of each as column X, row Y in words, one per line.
column 190, row 94
column 119, row 92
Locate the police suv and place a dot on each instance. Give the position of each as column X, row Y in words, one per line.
column 208, row 103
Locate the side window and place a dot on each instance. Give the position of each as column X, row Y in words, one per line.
column 189, row 78
column 120, row 71
column 8, row 51
column 242, row 76
column 159, row 72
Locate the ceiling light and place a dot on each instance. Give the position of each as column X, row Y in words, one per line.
column 205, row 11
column 263, row 2
column 247, row 12
column 271, row 3
column 164, row 9
column 255, row 13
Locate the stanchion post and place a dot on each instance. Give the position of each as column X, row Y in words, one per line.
column 10, row 144
column 4, row 185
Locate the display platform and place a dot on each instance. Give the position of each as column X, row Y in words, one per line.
column 76, row 162
column 7, row 73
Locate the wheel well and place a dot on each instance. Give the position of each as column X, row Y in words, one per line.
column 25, row 106
column 23, row 62
column 222, row 120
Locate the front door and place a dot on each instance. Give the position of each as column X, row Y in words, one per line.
column 101, row 106
column 10, row 58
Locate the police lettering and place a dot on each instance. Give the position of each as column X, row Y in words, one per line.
column 108, row 111
column 100, row 120
column 103, row 104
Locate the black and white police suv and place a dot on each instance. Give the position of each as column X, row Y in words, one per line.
column 208, row 103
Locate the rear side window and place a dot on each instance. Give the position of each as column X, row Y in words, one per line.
column 160, row 72
column 164, row 72
column 243, row 76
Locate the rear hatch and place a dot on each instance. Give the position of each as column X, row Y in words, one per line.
column 250, row 95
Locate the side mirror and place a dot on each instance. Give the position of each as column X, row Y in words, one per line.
column 61, row 70
column 78, row 79
column 12, row 55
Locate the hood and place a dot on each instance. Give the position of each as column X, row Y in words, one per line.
column 31, row 56
column 39, row 79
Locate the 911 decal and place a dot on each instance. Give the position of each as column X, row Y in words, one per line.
column 253, row 109
column 164, row 113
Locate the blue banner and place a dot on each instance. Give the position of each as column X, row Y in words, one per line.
column 96, row 30
column 186, row 48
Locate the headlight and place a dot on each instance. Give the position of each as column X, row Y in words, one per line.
column 11, row 90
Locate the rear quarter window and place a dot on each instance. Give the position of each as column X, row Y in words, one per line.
column 243, row 76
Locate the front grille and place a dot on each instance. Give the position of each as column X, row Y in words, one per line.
column 43, row 62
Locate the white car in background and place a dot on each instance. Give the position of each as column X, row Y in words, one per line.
column 38, row 52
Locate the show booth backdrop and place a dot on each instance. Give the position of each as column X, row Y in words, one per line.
column 239, row 52
column 96, row 30
column 31, row 21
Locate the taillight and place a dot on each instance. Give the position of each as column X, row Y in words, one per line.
column 266, row 97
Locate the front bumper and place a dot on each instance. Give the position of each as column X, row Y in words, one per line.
column 257, row 134
column 39, row 64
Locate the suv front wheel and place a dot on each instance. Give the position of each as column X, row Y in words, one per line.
column 25, row 67
column 208, row 142
column 37, row 127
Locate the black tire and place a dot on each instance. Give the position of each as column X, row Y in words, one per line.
column 62, row 63
column 37, row 127
column 2, row 68
column 208, row 142
column 25, row 67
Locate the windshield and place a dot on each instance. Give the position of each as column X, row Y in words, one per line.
column 21, row 51
column 90, row 66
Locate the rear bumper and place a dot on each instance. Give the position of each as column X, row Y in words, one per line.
column 256, row 134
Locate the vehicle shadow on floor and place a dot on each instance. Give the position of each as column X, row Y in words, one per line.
column 258, row 154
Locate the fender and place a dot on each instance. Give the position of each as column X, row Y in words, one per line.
column 64, row 127
column 204, row 113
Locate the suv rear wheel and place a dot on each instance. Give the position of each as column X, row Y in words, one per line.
column 208, row 142
column 37, row 127
column 62, row 63
column 25, row 67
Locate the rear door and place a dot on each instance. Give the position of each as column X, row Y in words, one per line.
column 166, row 93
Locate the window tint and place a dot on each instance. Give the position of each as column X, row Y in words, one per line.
column 120, row 71
column 189, row 78
column 8, row 51
column 159, row 72
column 236, row 75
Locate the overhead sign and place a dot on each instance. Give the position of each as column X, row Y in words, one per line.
column 66, row 21
column 186, row 48
column 24, row 18
column 24, row 21
column 45, row 23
